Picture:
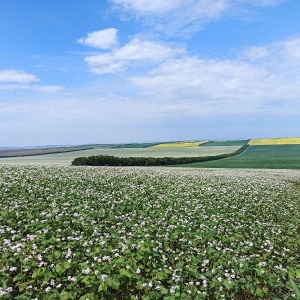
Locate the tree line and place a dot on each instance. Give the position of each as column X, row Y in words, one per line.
column 108, row 160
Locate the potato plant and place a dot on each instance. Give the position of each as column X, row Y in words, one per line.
column 146, row 233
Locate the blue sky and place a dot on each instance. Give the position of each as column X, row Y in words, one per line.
column 118, row 71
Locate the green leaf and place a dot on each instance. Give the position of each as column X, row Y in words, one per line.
column 87, row 280
column 113, row 283
column 258, row 271
column 48, row 275
column 19, row 277
column 292, row 285
column 164, row 291
column 65, row 295
column 273, row 280
column 259, row 292
column 60, row 268
column 86, row 296
column 180, row 265
column 21, row 297
column 125, row 272
column 57, row 254
column 227, row 285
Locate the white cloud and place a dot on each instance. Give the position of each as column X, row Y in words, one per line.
column 291, row 49
column 20, row 80
column 265, row 80
column 260, row 76
column 255, row 53
column 285, row 51
column 16, row 76
column 146, row 6
column 181, row 17
column 102, row 39
column 136, row 52
column 48, row 88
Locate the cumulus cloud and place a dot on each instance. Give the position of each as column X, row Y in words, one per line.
column 16, row 76
column 20, row 80
column 265, row 78
column 182, row 17
column 102, row 39
column 286, row 51
column 259, row 76
column 136, row 52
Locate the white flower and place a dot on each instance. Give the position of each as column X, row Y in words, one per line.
column 86, row 271
column 138, row 271
column 104, row 277
column 71, row 278
column 48, row 289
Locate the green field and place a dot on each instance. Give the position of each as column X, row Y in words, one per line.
column 264, row 157
column 148, row 233
column 67, row 158
column 225, row 143
column 134, row 145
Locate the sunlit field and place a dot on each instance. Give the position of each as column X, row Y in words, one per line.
column 148, row 233
column 278, row 141
column 179, row 144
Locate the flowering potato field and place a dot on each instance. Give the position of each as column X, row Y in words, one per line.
column 138, row 233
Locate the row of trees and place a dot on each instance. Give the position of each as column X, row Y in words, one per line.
column 108, row 160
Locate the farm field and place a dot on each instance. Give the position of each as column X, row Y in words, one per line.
column 179, row 144
column 278, row 141
column 39, row 151
column 263, row 157
column 67, row 158
column 225, row 143
column 148, row 233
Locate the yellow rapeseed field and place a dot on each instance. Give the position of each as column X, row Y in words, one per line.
column 179, row 144
column 276, row 141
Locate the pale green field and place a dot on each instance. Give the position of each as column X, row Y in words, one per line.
column 66, row 158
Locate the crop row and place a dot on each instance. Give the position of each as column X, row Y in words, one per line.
column 130, row 233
